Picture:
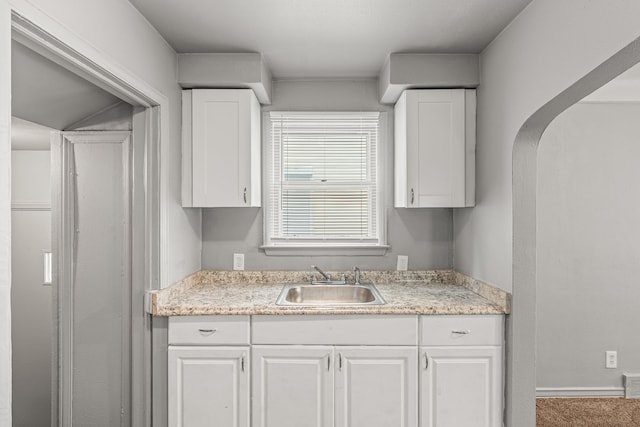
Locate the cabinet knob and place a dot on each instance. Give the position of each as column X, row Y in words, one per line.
column 461, row 332
column 244, row 194
column 412, row 196
column 207, row 332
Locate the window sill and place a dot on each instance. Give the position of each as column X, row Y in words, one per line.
column 372, row 250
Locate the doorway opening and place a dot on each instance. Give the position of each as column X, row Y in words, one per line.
column 120, row 129
column 522, row 330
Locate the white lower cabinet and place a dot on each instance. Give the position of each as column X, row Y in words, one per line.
column 461, row 387
column 325, row 386
column 208, row 386
column 376, row 387
column 292, row 386
column 461, row 371
column 336, row 371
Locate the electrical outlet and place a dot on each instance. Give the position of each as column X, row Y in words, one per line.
column 238, row 261
column 611, row 359
column 403, row 263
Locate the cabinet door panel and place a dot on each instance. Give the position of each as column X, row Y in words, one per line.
column 216, row 149
column 436, row 158
column 292, row 386
column 208, row 387
column 376, row 387
column 461, row 387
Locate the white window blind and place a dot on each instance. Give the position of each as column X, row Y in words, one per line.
column 323, row 179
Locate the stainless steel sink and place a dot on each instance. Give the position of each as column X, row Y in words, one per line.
column 329, row 295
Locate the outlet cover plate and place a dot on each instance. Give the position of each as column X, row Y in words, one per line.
column 403, row 263
column 238, row 261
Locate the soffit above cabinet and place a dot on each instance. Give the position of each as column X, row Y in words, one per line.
column 404, row 71
column 225, row 70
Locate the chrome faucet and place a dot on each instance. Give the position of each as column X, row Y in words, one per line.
column 356, row 270
column 326, row 276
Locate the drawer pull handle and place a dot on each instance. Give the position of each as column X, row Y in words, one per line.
column 207, row 332
column 465, row 332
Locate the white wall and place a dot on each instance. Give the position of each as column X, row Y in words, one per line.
column 30, row 300
column 110, row 31
column 119, row 32
column 588, row 246
column 423, row 234
column 548, row 47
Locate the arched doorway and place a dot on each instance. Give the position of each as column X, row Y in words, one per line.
column 521, row 328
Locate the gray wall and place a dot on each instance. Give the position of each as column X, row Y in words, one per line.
column 547, row 48
column 521, row 70
column 31, row 320
column 425, row 235
column 588, row 246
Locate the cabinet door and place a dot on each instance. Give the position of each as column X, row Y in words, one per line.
column 292, row 386
column 224, row 150
column 435, row 148
column 461, row 387
column 208, row 386
column 376, row 387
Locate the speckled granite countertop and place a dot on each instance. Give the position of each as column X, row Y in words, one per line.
column 255, row 292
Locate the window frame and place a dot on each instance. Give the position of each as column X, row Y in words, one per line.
column 304, row 247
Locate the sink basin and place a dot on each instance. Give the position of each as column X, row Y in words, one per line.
column 329, row 295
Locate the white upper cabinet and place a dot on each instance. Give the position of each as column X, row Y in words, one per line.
column 435, row 139
column 220, row 148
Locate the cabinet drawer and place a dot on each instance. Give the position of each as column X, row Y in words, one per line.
column 461, row 330
column 209, row 330
column 335, row 330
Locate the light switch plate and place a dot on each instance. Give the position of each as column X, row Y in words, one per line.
column 238, row 261
column 611, row 361
column 403, row 262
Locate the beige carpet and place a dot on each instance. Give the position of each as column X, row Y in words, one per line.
column 587, row 412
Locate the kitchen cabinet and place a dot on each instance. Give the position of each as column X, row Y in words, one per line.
column 292, row 386
column 220, row 148
column 376, row 387
column 325, row 386
column 208, row 371
column 435, row 148
column 461, row 372
column 336, row 370
column 208, row 383
column 343, row 371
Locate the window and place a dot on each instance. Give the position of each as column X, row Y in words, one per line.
column 322, row 180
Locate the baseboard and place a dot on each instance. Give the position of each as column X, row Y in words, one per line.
column 579, row 391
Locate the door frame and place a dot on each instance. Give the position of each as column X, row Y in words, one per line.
column 25, row 23
column 64, row 226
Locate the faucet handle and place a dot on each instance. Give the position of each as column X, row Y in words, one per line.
column 356, row 281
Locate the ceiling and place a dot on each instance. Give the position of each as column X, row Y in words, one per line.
column 48, row 94
column 329, row 38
